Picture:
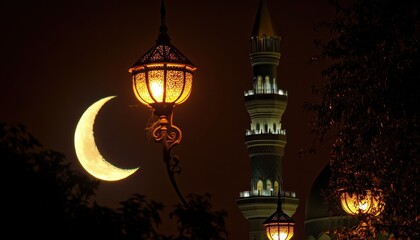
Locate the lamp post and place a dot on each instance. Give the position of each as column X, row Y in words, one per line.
column 279, row 226
column 162, row 78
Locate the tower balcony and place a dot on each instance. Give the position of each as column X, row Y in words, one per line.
column 266, row 91
column 265, row 193
column 249, row 132
column 261, row 204
column 266, row 144
column 269, row 139
column 265, row 105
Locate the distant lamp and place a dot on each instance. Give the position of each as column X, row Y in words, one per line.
column 355, row 204
column 162, row 78
column 279, row 226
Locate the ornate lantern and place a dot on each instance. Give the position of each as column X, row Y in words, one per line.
column 162, row 78
column 279, row 226
column 361, row 204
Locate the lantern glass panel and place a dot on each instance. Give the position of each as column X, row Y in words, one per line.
column 358, row 204
column 187, row 88
column 156, row 79
column 140, row 88
column 174, row 85
column 279, row 232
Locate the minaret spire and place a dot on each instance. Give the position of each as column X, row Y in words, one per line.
column 263, row 24
column 266, row 138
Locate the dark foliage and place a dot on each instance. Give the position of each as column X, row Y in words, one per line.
column 41, row 195
column 44, row 198
column 370, row 104
column 197, row 221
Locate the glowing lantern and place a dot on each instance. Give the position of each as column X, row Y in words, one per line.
column 162, row 78
column 361, row 204
column 279, row 230
column 279, row 226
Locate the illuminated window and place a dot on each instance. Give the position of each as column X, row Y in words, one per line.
column 259, row 186
column 268, row 185
column 260, row 85
column 267, row 84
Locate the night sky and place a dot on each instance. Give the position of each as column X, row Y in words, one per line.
column 59, row 57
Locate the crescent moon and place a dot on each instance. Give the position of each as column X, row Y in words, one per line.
column 87, row 152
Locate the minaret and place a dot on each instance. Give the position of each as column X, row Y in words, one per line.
column 266, row 139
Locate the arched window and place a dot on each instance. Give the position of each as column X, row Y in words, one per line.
column 259, row 85
column 267, row 85
column 274, row 128
column 259, row 187
column 276, row 188
column 269, row 187
column 258, row 127
column 265, row 128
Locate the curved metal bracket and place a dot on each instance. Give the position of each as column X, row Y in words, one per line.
column 172, row 168
column 169, row 135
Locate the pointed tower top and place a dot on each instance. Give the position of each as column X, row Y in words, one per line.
column 263, row 24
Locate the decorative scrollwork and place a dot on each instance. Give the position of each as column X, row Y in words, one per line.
column 168, row 134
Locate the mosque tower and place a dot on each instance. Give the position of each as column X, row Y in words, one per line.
column 266, row 139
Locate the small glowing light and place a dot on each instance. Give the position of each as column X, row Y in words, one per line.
column 280, row 231
column 162, row 78
column 358, row 204
column 169, row 83
column 157, row 90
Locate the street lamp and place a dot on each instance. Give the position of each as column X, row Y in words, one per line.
column 279, row 226
column 355, row 204
column 162, row 78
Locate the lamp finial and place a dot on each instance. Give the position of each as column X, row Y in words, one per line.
column 163, row 30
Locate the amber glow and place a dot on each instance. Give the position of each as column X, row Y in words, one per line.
column 279, row 231
column 156, row 88
column 163, row 83
column 357, row 204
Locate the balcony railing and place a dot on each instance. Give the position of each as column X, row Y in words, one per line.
column 261, row 131
column 266, row 91
column 265, row 193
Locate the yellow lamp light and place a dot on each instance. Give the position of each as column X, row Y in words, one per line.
column 361, row 204
column 279, row 226
column 165, row 84
column 163, row 76
column 279, row 231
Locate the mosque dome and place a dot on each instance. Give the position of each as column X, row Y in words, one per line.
column 318, row 219
column 315, row 205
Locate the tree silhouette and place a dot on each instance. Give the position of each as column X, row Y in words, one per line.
column 44, row 198
column 370, row 104
column 140, row 218
column 197, row 221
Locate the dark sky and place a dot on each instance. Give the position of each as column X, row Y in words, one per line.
column 59, row 57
